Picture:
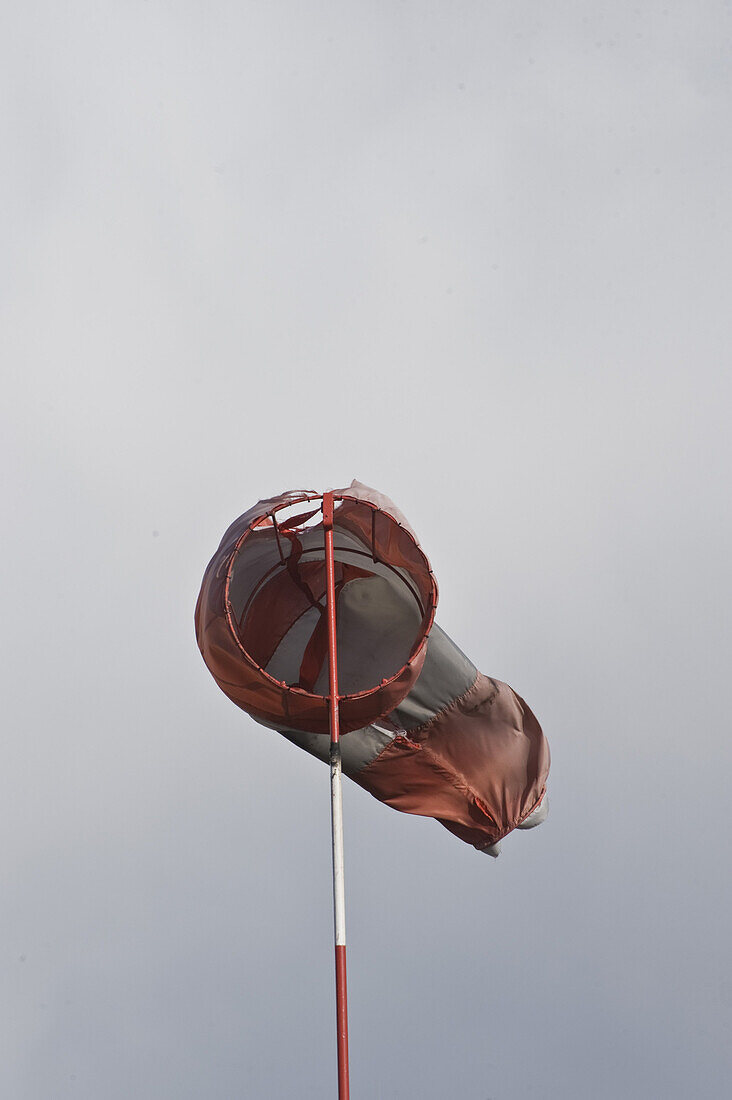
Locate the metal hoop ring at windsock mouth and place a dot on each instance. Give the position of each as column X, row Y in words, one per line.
column 368, row 540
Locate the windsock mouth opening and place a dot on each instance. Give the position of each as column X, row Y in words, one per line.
column 276, row 603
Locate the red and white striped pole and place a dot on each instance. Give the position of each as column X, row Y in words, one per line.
column 336, row 810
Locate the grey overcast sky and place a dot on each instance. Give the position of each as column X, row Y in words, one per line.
column 476, row 254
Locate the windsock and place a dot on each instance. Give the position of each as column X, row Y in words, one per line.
column 421, row 729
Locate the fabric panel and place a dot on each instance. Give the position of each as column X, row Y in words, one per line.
column 479, row 767
column 358, row 748
column 446, row 674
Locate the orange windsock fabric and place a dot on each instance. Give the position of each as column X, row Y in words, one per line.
column 422, row 730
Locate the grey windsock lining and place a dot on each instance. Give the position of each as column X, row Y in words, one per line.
column 258, row 555
column 358, row 748
column 378, row 622
column 446, row 675
column 379, row 617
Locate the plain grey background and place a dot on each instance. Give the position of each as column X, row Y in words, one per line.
column 476, row 254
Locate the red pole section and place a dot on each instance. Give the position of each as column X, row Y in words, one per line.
column 336, row 810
